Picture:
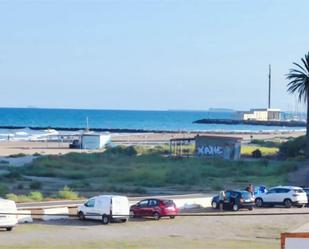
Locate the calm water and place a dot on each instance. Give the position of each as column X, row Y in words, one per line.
column 148, row 120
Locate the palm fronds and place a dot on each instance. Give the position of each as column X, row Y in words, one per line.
column 299, row 79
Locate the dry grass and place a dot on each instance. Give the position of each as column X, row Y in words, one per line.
column 165, row 242
column 266, row 151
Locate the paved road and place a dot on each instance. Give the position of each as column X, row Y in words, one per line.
column 232, row 232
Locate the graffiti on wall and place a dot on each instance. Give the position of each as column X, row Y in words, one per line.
column 210, row 150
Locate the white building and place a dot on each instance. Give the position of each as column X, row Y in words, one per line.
column 94, row 141
column 261, row 115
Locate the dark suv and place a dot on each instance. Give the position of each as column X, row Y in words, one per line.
column 234, row 200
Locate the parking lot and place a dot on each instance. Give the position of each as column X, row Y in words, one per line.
column 244, row 231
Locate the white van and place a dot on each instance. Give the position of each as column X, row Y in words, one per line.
column 8, row 214
column 105, row 208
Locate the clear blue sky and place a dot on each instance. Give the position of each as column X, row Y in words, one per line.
column 149, row 54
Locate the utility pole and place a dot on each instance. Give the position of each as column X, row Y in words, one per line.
column 269, row 85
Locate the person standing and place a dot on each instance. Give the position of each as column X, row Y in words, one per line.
column 221, row 199
column 250, row 189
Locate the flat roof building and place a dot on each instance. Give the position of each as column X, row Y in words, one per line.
column 264, row 114
column 218, row 146
column 94, row 141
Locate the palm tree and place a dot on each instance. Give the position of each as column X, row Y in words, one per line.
column 299, row 82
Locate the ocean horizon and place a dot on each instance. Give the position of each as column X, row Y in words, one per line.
column 155, row 120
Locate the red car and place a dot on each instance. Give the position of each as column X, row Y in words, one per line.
column 155, row 208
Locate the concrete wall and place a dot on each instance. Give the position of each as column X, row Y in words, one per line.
column 55, row 213
column 227, row 148
column 94, row 141
column 50, row 213
column 24, row 216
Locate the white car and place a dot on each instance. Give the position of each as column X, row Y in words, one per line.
column 105, row 208
column 8, row 214
column 282, row 195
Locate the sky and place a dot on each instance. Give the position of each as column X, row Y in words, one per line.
column 150, row 55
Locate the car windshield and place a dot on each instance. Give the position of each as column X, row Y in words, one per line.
column 168, row 203
column 298, row 190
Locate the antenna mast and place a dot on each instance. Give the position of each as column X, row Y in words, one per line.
column 269, row 85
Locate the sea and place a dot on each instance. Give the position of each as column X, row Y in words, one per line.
column 169, row 120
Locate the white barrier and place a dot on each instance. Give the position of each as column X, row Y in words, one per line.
column 51, row 213
column 24, row 216
column 193, row 203
column 189, row 203
column 63, row 212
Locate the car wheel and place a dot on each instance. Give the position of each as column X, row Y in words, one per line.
column 287, row 203
column 105, row 219
column 172, row 217
column 156, row 216
column 259, row 202
column 214, row 205
column 9, row 228
column 132, row 215
column 235, row 207
column 81, row 216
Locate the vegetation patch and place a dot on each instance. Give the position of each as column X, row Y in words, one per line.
column 32, row 196
column 265, row 143
column 17, row 155
column 130, row 169
column 246, row 150
column 295, row 147
column 35, row 185
column 68, row 194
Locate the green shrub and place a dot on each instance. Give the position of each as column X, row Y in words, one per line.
column 80, row 185
column 17, row 155
column 77, row 175
column 18, row 198
column 128, row 151
column 32, row 196
column 265, row 143
column 67, row 193
column 256, row 153
column 3, row 190
column 20, row 186
column 117, row 167
column 35, row 185
column 139, row 190
column 294, row 147
column 300, row 158
column 13, row 174
column 217, row 187
column 117, row 189
column 36, row 196
column 12, row 197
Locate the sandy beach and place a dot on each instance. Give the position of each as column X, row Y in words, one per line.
column 167, row 136
column 53, row 148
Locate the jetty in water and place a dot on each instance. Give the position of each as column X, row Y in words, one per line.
column 292, row 123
